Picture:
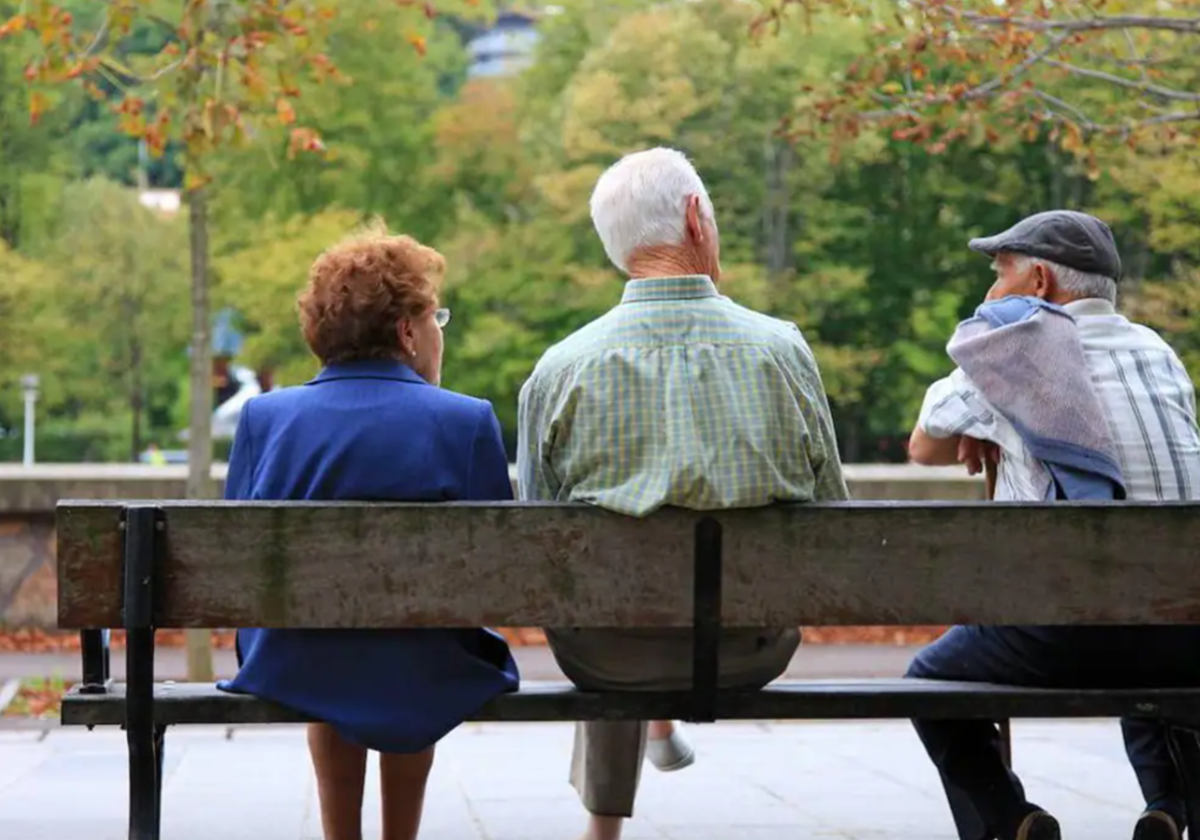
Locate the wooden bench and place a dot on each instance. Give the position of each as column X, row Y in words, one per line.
column 141, row 566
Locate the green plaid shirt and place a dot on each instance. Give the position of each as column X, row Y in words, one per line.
column 681, row 397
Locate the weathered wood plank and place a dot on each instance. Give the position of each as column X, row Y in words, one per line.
column 88, row 559
column 359, row 565
column 963, row 563
column 184, row 703
column 355, row 565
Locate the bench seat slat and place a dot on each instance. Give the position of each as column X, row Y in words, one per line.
column 204, row 703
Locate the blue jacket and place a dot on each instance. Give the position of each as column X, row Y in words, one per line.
column 372, row 431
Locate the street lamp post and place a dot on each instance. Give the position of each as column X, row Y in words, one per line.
column 29, row 386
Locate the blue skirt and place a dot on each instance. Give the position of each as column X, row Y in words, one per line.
column 396, row 691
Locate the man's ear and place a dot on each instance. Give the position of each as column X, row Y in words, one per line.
column 1044, row 281
column 692, row 218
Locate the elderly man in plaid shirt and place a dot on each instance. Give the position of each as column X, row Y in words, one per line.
column 1070, row 261
column 677, row 396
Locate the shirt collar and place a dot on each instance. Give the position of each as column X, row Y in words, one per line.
column 368, row 369
column 1090, row 306
column 689, row 287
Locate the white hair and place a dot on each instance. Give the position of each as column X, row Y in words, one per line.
column 1076, row 283
column 640, row 201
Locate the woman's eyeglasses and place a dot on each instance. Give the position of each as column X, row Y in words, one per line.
column 442, row 317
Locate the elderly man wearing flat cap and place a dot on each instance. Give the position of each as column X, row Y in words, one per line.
column 1071, row 401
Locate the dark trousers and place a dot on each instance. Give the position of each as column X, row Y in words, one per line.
column 986, row 798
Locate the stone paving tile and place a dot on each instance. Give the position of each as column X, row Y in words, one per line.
column 828, row 781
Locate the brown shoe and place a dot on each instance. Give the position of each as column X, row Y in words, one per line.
column 1039, row 825
column 1156, row 825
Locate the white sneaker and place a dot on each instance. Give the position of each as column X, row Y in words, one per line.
column 671, row 753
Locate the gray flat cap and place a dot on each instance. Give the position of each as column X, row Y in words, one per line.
column 1075, row 240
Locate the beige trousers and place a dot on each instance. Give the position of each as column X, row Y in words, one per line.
column 606, row 764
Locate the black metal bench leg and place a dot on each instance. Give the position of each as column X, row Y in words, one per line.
column 160, row 737
column 1185, row 753
column 142, row 736
column 143, row 739
column 1006, row 742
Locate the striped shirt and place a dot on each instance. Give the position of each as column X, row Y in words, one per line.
column 1146, row 394
column 678, row 396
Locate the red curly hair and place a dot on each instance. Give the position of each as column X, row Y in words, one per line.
column 359, row 290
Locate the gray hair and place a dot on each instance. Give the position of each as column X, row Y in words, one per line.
column 1078, row 284
column 640, row 201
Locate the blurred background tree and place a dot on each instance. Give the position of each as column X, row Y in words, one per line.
column 847, row 157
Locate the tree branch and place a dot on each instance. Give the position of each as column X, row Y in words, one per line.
column 1143, row 86
column 1074, row 114
column 1137, row 56
column 1100, row 22
column 1080, row 117
column 984, row 89
column 164, row 70
column 98, row 41
column 1173, row 117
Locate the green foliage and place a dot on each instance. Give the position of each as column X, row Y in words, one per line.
column 513, row 291
column 100, row 315
column 375, row 121
column 30, row 166
column 261, row 274
column 857, row 236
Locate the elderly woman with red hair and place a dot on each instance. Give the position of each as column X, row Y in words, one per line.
column 373, row 425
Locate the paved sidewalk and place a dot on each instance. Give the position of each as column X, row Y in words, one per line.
column 536, row 663
column 843, row 781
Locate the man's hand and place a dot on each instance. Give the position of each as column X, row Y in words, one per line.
column 974, row 453
column 928, row 451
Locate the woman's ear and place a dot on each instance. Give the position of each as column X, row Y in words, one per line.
column 407, row 337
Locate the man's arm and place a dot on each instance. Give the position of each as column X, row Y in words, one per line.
column 826, row 460
column 831, row 483
column 953, row 414
column 533, row 477
column 930, row 451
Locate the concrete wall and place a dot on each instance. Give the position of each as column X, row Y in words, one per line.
column 28, row 496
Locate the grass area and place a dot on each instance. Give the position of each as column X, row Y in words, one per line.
column 38, row 697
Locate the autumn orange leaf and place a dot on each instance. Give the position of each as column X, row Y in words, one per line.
column 38, row 105
column 12, row 26
column 285, row 111
column 304, row 140
column 194, row 181
column 418, row 43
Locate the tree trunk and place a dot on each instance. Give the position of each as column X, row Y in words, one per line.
column 136, row 393
column 779, row 155
column 851, row 440
column 199, row 477
column 130, row 311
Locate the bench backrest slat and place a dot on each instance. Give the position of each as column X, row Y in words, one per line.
column 884, row 563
